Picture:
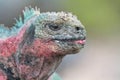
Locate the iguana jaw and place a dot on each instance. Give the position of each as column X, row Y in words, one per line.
column 70, row 46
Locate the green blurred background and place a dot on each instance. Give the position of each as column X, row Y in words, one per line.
column 100, row 59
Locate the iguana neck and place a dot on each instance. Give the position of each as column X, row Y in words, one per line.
column 33, row 67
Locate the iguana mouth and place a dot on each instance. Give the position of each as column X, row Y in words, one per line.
column 73, row 40
column 80, row 42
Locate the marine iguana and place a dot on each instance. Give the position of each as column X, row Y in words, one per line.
column 33, row 48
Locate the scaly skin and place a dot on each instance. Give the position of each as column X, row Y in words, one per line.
column 35, row 46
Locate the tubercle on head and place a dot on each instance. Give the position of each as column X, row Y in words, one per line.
column 54, row 16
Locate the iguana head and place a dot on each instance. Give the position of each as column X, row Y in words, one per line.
column 63, row 29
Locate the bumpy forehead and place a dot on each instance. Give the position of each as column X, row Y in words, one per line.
column 68, row 18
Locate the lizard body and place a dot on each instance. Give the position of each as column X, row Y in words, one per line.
column 34, row 47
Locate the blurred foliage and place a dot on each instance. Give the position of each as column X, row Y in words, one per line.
column 100, row 17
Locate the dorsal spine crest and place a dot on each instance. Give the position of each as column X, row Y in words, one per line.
column 4, row 31
column 28, row 13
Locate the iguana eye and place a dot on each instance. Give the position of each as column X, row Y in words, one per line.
column 54, row 27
